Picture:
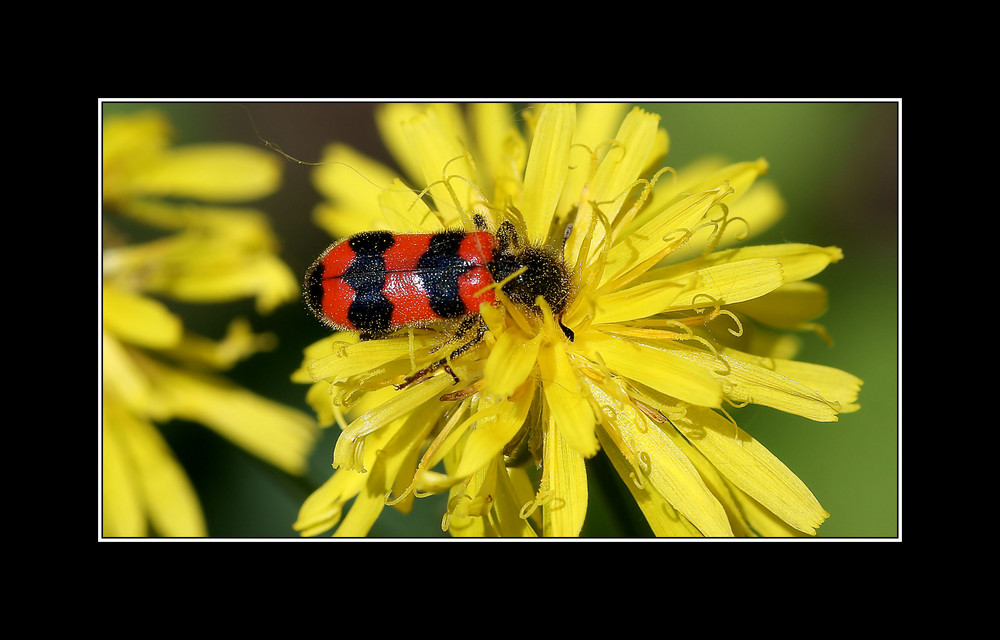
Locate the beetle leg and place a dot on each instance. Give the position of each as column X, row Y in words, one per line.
column 424, row 373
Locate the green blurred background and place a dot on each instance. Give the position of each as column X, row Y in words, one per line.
column 836, row 163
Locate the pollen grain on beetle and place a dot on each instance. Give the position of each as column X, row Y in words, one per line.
column 509, row 310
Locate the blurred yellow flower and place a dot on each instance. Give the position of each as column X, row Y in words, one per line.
column 671, row 322
column 153, row 370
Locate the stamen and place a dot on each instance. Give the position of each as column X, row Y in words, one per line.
column 543, row 498
column 338, row 416
column 683, row 235
column 583, row 257
column 678, row 413
column 451, row 508
column 591, row 154
column 512, row 309
column 595, row 154
column 339, row 348
column 622, row 221
column 637, row 479
column 429, row 457
column 721, row 224
column 445, row 181
column 738, row 332
column 738, row 405
column 548, row 320
column 434, row 210
column 746, row 227
column 726, row 367
column 528, row 508
column 640, row 469
column 736, row 427
column 588, row 271
column 649, row 333
column 712, row 301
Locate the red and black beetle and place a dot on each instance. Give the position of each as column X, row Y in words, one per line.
column 376, row 282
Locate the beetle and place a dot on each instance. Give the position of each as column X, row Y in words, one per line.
column 377, row 282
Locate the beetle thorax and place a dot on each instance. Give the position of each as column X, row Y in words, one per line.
column 546, row 275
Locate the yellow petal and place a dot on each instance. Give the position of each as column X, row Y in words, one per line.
column 510, row 494
column 491, row 123
column 665, row 369
column 798, row 261
column 636, row 252
column 221, row 257
column 684, row 287
column 616, row 174
column 789, row 307
column 320, row 398
column 563, row 486
column 350, row 449
column 210, row 272
column 732, row 181
column 122, row 513
column 737, row 177
column 125, row 378
column 321, row 349
column 139, row 320
column 548, row 164
column 500, row 151
column 345, row 359
column 275, row 433
column 169, row 498
column 510, row 362
column 469, row 502
column 361, row 195
column 390, row 118
column 596, row 124
column 403, row 211
column 133, row 138
column 663, row 519
column 837, row 387
column 211, row 173
column 760, row 209
column 657, row 460
column 640, row 301
column 239, row 343
column 624, row 161
column 128, row 144
column 323, row 508
column 493, row 433
column 765, row 381
column 720, row 284
column 431, row 142
column 569, row 408
column 352, row 179
column 752, row 468
column 397, row 208
column 401, row 463
column 365, row 510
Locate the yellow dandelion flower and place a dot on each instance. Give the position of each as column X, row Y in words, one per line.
column 153, row 370
column 660, row 323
